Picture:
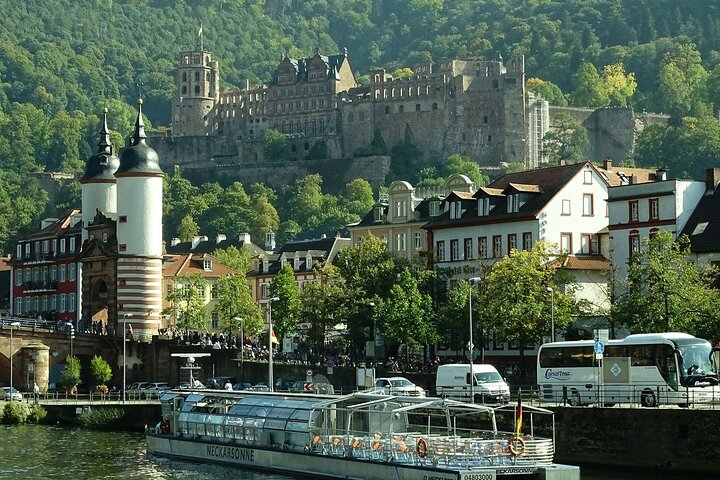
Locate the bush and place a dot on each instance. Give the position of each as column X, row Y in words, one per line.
column 15, row 413
column 101, row 418
column 37, row 414
column 70, row 375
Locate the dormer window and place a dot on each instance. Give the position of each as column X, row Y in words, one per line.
column 455, row 210
column 377, row 214
column 207, row 265
column 401, row 208
column 483, row 207
column 104, row 237
column 434, row 208
column 513, row 203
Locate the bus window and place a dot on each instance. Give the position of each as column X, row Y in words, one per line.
column 579, row 357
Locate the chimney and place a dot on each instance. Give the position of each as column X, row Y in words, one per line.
column 607, row 164
column 46, row 222
column 174, row 241
column 660, row 175
column 270, row 241
column 244, row 237
column 194, row 242
column 220, row 238
column 712, row 178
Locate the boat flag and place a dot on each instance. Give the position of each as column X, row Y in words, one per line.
column 518, row 414
column 273, row 338
column 200, row 30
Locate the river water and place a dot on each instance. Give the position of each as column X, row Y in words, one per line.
column 38, row 452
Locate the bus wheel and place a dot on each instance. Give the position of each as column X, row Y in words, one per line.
column 647, row 399
column 574, row 399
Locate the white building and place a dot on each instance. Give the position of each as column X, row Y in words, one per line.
column 637, row 211
column 563, row 205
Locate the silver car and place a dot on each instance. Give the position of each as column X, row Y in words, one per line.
column 11, row 393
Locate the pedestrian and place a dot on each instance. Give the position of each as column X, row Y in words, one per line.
column 228, row 385
column 36, row 393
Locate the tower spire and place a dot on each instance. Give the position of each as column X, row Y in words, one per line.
column 104, row 146
column 139, row 134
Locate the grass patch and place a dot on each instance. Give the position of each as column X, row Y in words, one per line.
column 102, row 418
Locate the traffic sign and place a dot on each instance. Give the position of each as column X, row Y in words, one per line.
column 309, row 373
column 469, row 346
column 309, row 387
column 599, row 347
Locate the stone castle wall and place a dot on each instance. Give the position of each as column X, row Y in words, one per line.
column 612, row 132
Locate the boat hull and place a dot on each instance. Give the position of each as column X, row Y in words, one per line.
column 305, row 464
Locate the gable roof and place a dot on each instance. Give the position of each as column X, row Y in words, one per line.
column 204, row 245
column 546, row 181
column 319, row 249
column 703, row 226
column 190, row 264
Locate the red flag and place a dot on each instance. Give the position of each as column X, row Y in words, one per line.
column 518, row 415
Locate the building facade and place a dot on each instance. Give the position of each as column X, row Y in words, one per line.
column 177, row 271
column 45, row 281
column 638, row 211
column 398, row 216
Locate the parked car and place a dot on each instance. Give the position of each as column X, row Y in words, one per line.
column 137, row 389
column 398, row 386
column 283, row 385
column 11, row 393
column 260, row 387
column 242, row 386
column 197, row 386
column 453, row 381
column 155, row 389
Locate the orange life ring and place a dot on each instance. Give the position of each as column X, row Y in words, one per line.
column 337, row 441
column 317, row 440
column 516, row 446
column 165, row 426
column 421, row 448
column 377, row 446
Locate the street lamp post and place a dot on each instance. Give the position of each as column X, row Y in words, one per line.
column 470, row 345
column 242, row 343
column 125, row 317
column 270, row 352
column 552, row 313
column 374, row 335
column 13, row 324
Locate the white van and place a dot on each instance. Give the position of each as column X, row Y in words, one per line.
column 453, row 381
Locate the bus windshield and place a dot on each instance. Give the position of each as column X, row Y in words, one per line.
column 696, row 364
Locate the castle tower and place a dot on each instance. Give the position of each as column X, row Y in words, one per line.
column 99, row 189
column 197, row 82
column 139, row 235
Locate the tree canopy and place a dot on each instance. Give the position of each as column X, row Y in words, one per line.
column 666, row 292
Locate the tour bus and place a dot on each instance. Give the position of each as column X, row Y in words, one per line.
column 650, row 369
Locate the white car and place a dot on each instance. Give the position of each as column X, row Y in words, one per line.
column 398, row 386
column 155, row 389
column 10, row 393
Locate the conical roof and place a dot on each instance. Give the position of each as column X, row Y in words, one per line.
column 102, row 165
column 139, row 158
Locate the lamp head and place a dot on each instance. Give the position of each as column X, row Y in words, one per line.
column 549, row 289
column 274, row 299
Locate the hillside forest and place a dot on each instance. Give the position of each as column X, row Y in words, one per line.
column 63, row 61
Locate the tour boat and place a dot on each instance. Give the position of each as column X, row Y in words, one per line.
column 356, row 436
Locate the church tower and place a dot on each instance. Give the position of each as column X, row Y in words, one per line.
column 99, row 188
column 197, row 82
column 139, row 235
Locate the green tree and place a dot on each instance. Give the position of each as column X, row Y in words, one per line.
column 666, row 292
column 236, row 258
column 548, row 90
column 322, row 304
column 618, row 85
column 70, row 375
column 187, row 302
column 589, row 90
column 565, row 142
column 682, row 83
column 455, row 312
column 358, row 198
column 187, row 228
column 466, row 166
column 285, row 309
column 405, row 316
column 100, row 370
column 514, row 302
column 276, row 145
column 235, row 306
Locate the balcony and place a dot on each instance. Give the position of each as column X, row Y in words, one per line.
column 47, row 286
